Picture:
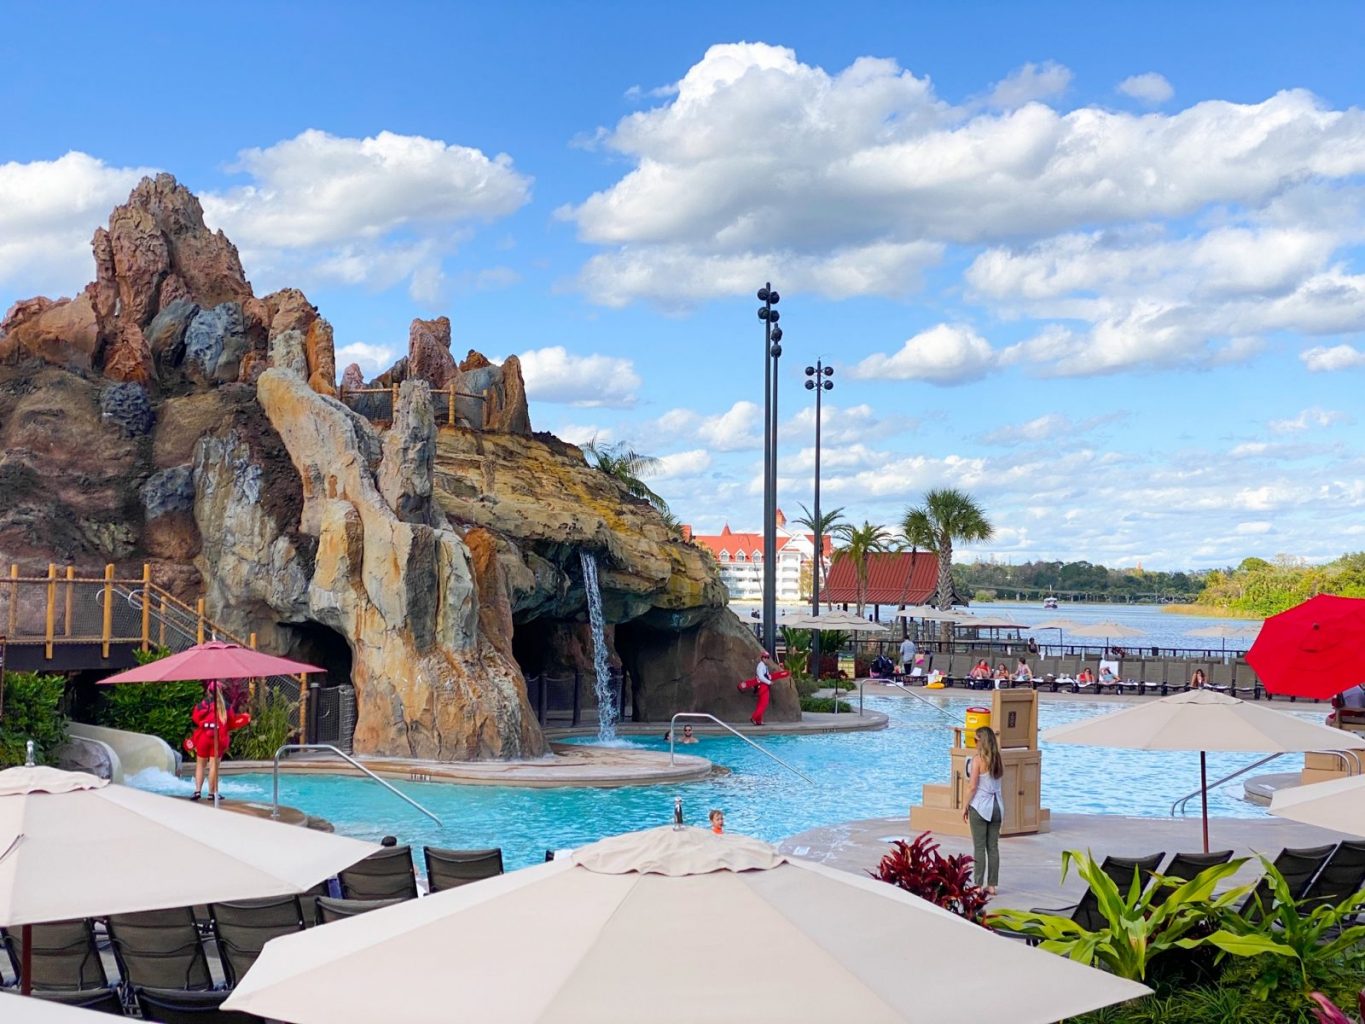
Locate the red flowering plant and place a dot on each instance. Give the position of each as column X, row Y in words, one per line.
column 946, row 882
column 1327, row 1012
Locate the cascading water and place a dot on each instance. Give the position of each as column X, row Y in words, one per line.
column 606, row 694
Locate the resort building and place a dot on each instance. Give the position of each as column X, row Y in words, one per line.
column 740, row 558
column 894, row 578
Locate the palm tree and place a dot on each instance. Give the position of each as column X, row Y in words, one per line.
column 946, row 516
column 627, row 466
column 860, row 543
column 831, row 524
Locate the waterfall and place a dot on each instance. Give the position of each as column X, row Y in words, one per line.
column 606, row 694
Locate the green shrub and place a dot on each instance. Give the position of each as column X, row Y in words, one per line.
column 156, row 709
column 32, row 711
column 824, row 705
column 272, row 723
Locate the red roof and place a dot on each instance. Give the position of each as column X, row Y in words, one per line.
column 900, row 577
column 730, row 541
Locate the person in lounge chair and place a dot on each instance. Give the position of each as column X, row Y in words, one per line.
column 1086, row 677
column 1197, row 681
column 1022, row 673
column 981, row 670
column 1108, row 677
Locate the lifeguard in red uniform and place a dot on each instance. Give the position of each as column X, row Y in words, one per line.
column 214, row 724
column 763, row 682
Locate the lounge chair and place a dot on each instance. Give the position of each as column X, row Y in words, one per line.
column 160, row 949
column 1298, row 866
column 244, row 927
column 330, row 910
column 1086, row 913
column 447, row 869
column 1342, row 875
column 1185, row 866
column 174, row 1006
column 385, row 875
column 65, row 956
column 100, row 1000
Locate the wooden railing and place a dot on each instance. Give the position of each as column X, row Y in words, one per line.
column 441, row 398
column 62, row 608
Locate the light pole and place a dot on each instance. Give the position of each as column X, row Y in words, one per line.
column 772, row 351
column 818, row 380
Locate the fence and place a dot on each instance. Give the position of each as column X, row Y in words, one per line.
column 562, row 697
column 448, row 405
column 334, row 716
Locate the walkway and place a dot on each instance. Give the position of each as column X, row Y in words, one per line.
column 1031, row 866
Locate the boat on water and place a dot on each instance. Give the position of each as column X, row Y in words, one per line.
column 1049, row 602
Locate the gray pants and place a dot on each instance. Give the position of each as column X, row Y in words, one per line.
column 985, row 846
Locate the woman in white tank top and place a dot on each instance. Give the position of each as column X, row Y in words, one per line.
column 984, row 808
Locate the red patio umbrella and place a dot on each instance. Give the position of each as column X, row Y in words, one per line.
column 1315, row 649
column 212, row 660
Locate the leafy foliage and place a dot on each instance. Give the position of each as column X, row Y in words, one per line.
column 272, row 723
column 830, row 524
column 946, row 882
column 859, row 544
column 1260, row 588
column 1327, row 1012
column 1030, row 579
column 32, row 711
column 628, row 467
column 1139, row 927
column 1297, row 948
column 946, row 517
column 825, row 705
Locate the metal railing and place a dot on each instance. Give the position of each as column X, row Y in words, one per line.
column 1345, row 756
column 359, row 403
column 275, row 786
column 673, row 735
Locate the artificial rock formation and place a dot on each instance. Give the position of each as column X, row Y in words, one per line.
column 169, row 415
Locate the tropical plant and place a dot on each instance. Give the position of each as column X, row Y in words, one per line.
column 859, row 544
column 1327, row 1012
column 1298, row 947
column 825, row 705
column 156, row 709
column 946, row 882
column 627, row 467
column 271, row 725
column 830, row 524
column 1139, row 926
column 31, row 711
column 946, row 517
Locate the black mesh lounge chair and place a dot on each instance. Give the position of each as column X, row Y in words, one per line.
column 244, row 927
column 101, row 1000
column 330, row 910
column 385, row 875
column 175, row 1006
column 65, row 956
column 1086, row 913
column 1185, row 866
column 447, row 869
column 1343, row 875
column 160, row 949
column 1298, row 868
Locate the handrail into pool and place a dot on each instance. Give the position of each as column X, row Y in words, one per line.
column 919, row 697
column 275, row 798
column 673, row 735
column 1345, row 756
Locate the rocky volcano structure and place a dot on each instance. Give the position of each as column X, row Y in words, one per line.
column 169, row 415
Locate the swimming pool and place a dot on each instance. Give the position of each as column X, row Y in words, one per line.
column 858, row 775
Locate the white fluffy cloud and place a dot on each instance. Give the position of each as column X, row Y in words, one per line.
column 945, row 354
column 374, row 211
column 555, row 374
column 49, row 209
column 1314, row 416
column 682, row 464
column 888, row 174
column 1149, row 87
column 372, row 359
column 1324, row 359
column 739, row 428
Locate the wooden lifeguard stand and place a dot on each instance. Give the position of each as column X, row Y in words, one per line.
column 1014, row 717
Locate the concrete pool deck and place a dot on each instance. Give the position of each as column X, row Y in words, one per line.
column 1031, row 866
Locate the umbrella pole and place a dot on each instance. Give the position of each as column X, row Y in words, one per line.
column 1204, row 795
column 26, row 961
column 214, row 768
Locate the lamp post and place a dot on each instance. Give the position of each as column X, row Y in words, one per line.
column 818, row 380
column 772, row 351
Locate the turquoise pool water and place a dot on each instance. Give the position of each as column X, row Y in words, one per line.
column 858, row 775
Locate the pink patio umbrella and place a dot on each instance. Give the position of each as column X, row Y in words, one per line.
column 212, row 660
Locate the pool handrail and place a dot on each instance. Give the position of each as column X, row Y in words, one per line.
column 275, row 787
column 673, row 735
column 1345, row 756
column 919, row 697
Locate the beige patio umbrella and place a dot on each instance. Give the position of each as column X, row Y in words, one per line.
column 73, row 845
column 836, row 620
column 668, row 926
column 1060, row 625
column 1338, row 804
column 1107, row 630
column 16, row 1009
column 1203, row 720
column 1224, row 631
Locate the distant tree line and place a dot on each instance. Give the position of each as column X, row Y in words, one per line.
column 1258, row 587
column 1077, row 581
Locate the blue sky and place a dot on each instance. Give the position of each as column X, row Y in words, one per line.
column 1098, row 264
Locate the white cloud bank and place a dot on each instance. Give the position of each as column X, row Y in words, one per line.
column 555, row 374
column 946, row 354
